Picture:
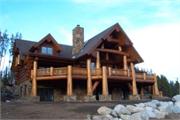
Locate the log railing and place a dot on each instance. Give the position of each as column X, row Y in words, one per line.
column 77, row 71
column 144, row 76
column 118, row 72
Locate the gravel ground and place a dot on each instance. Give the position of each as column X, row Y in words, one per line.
column 57, row 110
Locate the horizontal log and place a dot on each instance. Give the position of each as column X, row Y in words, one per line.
column 112, row 51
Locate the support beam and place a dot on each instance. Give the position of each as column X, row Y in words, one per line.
column 98, row 64
column 104, row 81
column 155, row 86
column 69, row 80
column 34, row 82
column 125, row 64
column 134, row 87
column 89, row 80
column 95, row 85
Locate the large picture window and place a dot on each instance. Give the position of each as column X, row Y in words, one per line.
column 47, row 50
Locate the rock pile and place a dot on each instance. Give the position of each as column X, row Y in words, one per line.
column 142, row 111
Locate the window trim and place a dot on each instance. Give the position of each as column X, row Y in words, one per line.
column 47, row 50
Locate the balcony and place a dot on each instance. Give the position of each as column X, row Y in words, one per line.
column 81, row 73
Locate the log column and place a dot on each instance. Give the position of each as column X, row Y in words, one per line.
column 89, row 80
column 69, row 80
column 134, row 87
column 104, row 81
column 34, row 82
column 125, row 64
column 155, row 86
column 98, row 60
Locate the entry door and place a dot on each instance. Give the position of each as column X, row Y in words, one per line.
column 46, row 94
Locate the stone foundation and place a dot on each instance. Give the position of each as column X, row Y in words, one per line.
column 70, row 98
column 134, row 97
column 89, row 98
column 105, row 98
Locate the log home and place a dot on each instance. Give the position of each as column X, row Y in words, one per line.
column 102, row 68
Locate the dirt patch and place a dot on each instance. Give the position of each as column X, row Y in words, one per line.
column 56, row 110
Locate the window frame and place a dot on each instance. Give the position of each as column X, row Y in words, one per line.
column 47, row 50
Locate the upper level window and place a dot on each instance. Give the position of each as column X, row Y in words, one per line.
column 47, row 50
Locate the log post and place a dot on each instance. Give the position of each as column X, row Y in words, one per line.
column 51, row 71
column 34, row 82
column 134, row 87
column 98, row 60
column 89, row 80
column 144, row 76
column 69, row 80
column 104, row 81
column 109, row 71
column 155, row 86
column 125, row 64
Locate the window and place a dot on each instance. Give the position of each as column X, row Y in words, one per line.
column 47, row 50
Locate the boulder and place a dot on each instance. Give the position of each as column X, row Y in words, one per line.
column 139, row 116
column 159, row 114
column 102, row 117
column 104, row 110
column 176, row 98
column 166, row 107
column 121, row 109
column 125, row 117
column 134, row 109
column 141, row 105
column 153, row 103
column 150, row 112
column 176, row 107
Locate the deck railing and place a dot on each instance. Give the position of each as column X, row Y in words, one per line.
column 62, row 71
column 144, row 76
column 79, row 71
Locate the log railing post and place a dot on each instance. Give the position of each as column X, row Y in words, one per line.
column 144, row 76
column 34, row 82
column 104, row 81
column 134, row 87
column 69, row 80
column 51, row 71
column 89, row 80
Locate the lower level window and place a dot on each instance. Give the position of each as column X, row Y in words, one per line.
column 47, row 50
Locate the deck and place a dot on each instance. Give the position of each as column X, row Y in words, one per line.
column 96, row 74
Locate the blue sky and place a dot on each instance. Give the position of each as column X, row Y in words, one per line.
column 152, row 25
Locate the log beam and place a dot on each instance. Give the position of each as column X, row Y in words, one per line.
column 125, row 64
column 104, row 81
column 95, row 85
column 134, row 87
column 89, row 80
column 155, row 86
column 112, row 51
column 98, row 60
column 34, row 82
column 69, row 80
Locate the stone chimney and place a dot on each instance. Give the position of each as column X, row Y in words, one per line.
column 78, row 39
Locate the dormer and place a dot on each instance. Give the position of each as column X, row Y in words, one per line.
column 46, row 46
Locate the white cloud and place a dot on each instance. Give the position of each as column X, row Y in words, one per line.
column 159, row 47
column 64, row 35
